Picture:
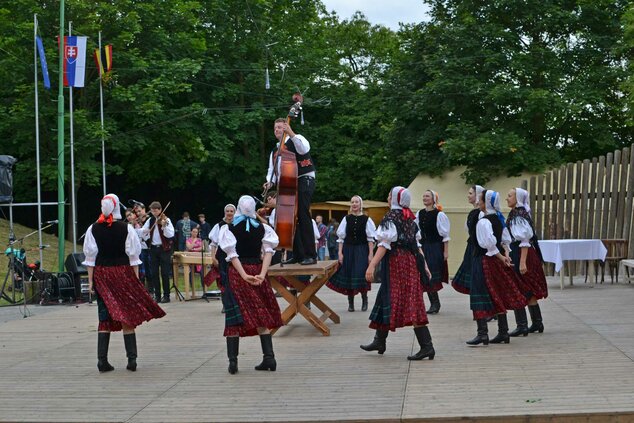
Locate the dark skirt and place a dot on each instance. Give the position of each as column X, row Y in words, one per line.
column 495, row 288
column 534, row 280
column 349, row 279
column 257, row 304
column 399, row 302
column 435, row 258
column 122, row 298
column 462, row 279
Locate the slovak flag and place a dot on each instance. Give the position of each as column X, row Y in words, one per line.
column 74, row 61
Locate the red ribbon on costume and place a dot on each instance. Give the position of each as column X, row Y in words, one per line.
column 407, row 213
column 108, row 219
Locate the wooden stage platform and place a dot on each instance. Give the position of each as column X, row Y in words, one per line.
column 580, row 369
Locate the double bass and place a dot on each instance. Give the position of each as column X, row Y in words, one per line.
column 286, row 208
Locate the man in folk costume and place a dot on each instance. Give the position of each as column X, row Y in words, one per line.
column 158, row 229
column 304, row 251
column 112, row 250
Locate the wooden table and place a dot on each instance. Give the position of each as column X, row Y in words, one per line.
column 320, row 273
column 187, row 259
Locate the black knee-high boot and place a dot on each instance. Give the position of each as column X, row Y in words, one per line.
column 129, row 340
column 268, row 363
column 233, row 344
column 103, row 341
column 483, row 333
column 536, row 319
column 378, row 344
column 364, row 301
column 426, row 347
column 503, row 331
column 350, row 302
column 522, row 323
column 434, row 301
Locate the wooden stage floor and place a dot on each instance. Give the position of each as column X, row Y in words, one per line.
column 580, row 369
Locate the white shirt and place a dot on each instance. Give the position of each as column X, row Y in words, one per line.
column 168, row 232
column 315, row 232
column 370, row 230
column 227, row 241
column 214, row 234
column 132, row 247
column 522, row 231
column 386, row 236
column 486, row 238
column 301, row 145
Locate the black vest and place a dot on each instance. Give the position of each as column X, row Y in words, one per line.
column 355, row 230
column 497, row 232
column 427, row 224
column 472, row 222
column 249, row 244
column 111, row 243
column 304, row 161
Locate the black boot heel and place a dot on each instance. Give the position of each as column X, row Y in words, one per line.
column 103, row 341
column 378, row 344
column 424, row 341
column 268, row 362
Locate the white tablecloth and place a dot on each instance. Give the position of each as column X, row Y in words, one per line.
column 558, row 250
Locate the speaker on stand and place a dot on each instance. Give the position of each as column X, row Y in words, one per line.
column 79, row 273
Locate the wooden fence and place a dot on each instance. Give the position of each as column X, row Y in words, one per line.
column 586, row 200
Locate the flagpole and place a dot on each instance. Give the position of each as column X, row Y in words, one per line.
column 60, row 144
column 72, row 159
column 103, row 142
column 37, row 141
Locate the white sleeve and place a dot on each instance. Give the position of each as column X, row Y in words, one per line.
column 341, row 230
column 386, row 236
column 522, row 231
column 133, row 247
column 370, row 230
column 486, row 239
column 506, row 237
column 315, row 231
column 272, row 218
column 269, row 174
column 90, row 248
column 227, row 242
column 270, row 240
column 416, row 219
column 168, row 230
column 213, row 235
column 145, row 230
column 419, row 236
column 443, row 226
column 301, row 144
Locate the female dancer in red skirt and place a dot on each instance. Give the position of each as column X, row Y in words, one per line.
column 527, row 260
column 250, row 305
column 495, row 288
column 462, row 279
column 112, row 250
column 399, row 302
column 356, row 249
column 434, row 229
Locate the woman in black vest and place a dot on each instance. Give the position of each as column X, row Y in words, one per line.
column 255, row 310
column 112, row 249
column 434, row 228
column 356, row 247
column 527, row 261
column 494, row 284
column 399, row 302
column 461, row 281
column 219, row 265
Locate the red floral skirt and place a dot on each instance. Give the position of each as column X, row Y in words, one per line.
column 258, row 305
column 124, row 297
column 406, row 293
column 503, row 286
column 534, row 279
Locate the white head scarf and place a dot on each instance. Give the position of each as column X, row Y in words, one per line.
column 360, row 201
column 401, row 199
column 230, row 205
column 246, row 206
column 521, row 195
column 478, row 193
column 110, row 206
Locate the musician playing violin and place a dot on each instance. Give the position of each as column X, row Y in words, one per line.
column 304, row 242
column 160, row 232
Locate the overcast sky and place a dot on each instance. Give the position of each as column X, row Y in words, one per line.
column 384, row 12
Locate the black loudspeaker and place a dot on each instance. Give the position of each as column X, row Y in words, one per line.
column 73, row 263
column 6, row 178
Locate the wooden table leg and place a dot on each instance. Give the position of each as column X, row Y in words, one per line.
column 306, row 295
column 186, row 276
column 561, row 275
column 289, row 312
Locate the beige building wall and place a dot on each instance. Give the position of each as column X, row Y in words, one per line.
column 452, row 190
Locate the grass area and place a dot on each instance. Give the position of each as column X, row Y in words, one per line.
column 50, row 254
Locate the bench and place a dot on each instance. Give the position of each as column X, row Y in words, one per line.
column 627, row 264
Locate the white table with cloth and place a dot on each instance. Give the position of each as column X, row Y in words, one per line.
column 559, row 250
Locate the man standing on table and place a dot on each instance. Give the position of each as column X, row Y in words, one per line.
column 304, row 241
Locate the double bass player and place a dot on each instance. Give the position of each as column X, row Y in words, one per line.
column 304, row 241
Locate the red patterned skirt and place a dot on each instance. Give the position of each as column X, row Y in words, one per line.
column 405, row 293
column 258, row 305
column 124, row 297
column 503, row 286
column 212, row 276
column 534, row 280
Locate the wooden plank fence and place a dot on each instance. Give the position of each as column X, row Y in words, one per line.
column 588, row 200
